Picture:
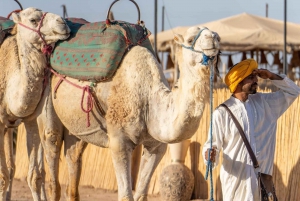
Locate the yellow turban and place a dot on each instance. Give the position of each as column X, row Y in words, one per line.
column 238, row 72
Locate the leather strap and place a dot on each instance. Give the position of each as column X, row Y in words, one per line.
column 252, row 155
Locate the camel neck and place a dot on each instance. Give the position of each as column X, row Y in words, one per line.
column 32, row 59
column 26, row 79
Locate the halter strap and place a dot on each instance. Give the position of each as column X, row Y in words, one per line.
column 194, row 41
column 205, row 57
column 47, row 49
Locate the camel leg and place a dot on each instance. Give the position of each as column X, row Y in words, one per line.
column 36, row 174
column 150, row 159
column 51, row 134
column 121, row 156
column 4, row 175
column 74, row 148
column 8, row 147
column 41, row 167
column 52, row 141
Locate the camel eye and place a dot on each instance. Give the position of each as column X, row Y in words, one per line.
column 33, row 21
column 190, row 40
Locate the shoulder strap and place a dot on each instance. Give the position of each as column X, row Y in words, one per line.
column 252, row 155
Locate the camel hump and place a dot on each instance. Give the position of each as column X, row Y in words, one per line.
column 95, row 50
column 6, row 25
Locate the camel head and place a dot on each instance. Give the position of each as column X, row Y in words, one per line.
column 200, row 49
column 40, row 28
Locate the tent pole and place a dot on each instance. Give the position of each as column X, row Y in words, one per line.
column 155, row 27
column 284, row 43
column 162, row 29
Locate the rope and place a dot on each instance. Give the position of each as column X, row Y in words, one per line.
column 85, row 89
column 15, row 11
column 47, row 49
column 209, row 167
column 205, row 58
column 89, row 103
column 194, row 41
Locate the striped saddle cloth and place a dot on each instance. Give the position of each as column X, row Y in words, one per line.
column 94, row 51
column 6, row 26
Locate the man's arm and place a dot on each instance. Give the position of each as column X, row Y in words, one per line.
column 266, row 74
column 280, row 100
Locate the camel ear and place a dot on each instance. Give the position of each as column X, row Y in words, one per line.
column 16, row 18
column 178, row 39
column 217, row 36
column 202, row 27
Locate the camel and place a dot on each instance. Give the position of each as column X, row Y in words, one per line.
column 23, row 61
column 141, row 108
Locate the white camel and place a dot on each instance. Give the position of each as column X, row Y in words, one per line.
column 22, row 78
column 141, row 108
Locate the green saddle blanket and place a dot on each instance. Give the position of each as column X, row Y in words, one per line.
column 94, row 51
column 6, row 26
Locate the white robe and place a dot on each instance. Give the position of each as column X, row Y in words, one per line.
column 258, row 117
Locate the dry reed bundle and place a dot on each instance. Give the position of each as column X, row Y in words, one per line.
column 95, row 161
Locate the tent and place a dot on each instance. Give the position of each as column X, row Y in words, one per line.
column 242, row 32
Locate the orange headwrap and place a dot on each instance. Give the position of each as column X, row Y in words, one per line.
column 239, row 72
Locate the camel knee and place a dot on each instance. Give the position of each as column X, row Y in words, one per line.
column 74, row 153
column 53, row 140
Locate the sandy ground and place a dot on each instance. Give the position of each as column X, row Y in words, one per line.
column 21, row 192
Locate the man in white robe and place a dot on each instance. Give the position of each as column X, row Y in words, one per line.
column 257, row 113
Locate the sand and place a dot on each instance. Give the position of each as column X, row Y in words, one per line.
column 21, row 192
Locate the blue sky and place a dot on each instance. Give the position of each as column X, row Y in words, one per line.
column 177, row 12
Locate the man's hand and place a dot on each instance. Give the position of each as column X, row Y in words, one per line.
column 212, row 154
column 266, row 74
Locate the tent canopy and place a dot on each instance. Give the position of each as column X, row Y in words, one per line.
column 241, row 33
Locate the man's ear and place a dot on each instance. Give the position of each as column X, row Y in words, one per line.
column 240, row 85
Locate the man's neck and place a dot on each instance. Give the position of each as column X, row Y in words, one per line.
column 241, row 96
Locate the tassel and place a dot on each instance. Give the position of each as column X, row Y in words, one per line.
column 230, row 63
column 263, row 59
column 276, row 59
column 244, row 57
column 107, row 22
column 295, row 61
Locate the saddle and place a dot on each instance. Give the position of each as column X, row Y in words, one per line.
column 94, row 51
column 6, row 25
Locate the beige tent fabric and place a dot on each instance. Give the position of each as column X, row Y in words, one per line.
column 243, row 32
